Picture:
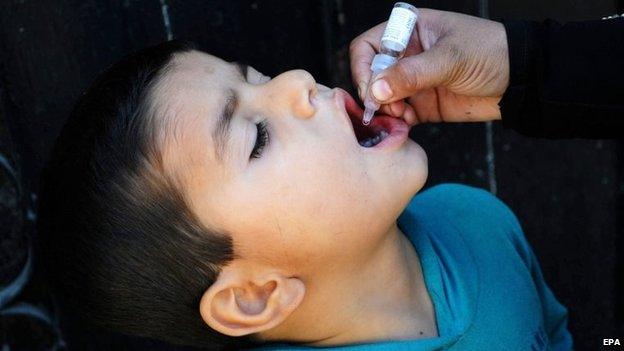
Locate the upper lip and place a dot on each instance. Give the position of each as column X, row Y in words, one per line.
column 350, row 109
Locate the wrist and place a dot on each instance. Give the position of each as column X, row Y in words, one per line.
column 503, row 50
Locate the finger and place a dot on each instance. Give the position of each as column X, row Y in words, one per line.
column 394, row 109
column 361, row 56
column 457, row 108
column 361, row 52
column 385, row 110
column 441, row 105
column 409, row 115
column 412, row 74
column 397, row 108
column 402, row 110
column 425, row 105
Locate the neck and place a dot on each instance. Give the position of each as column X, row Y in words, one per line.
column 384, row 298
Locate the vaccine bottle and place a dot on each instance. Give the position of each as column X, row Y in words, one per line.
column 394, row 41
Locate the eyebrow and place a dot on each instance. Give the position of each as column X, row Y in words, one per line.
column 221, row 133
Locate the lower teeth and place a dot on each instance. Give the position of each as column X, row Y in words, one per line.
column 370, row 142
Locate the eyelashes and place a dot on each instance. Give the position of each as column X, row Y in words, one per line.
column 262, row 139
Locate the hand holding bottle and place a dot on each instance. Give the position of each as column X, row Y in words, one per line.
column 455, row 69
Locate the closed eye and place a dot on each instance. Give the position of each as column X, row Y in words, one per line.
column 262, row 139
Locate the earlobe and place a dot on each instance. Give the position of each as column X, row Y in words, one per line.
column 238, row 304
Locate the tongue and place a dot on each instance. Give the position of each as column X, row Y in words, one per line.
column 372, row 141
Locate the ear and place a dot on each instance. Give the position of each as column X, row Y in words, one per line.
column 242, row 302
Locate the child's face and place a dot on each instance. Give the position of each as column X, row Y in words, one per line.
column 314, row 197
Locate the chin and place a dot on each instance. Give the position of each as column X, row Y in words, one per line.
column 417, row 170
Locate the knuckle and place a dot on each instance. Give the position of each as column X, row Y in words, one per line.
column 355, row 44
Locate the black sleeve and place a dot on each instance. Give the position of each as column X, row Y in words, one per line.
column 565, row 80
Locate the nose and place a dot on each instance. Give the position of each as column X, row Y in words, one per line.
column 290, row 92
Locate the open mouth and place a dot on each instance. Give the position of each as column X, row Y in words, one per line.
column 382, row 127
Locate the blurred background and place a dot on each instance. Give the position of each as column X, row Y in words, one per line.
column 568, row 194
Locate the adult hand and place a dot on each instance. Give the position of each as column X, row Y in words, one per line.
column 455, row 69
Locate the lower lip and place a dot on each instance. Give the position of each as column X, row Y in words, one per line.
column 397, row 129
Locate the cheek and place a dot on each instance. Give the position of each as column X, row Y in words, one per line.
column 296, row 208
column 319, row 185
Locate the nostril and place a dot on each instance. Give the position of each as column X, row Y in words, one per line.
column 308, row 104
column 312, row 93
column 305, row 107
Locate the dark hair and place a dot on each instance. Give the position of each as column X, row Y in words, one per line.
column 120, row 244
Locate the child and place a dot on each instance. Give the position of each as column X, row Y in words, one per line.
column 200, row 202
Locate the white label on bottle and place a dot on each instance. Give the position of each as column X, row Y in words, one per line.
column 400, row 26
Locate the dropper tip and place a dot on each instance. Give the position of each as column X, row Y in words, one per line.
column 368, row 116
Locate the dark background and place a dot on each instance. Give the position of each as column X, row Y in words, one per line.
column 568, row 194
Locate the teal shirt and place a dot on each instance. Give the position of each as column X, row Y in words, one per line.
column 483, row 278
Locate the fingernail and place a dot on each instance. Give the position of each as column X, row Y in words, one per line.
column 381, row 90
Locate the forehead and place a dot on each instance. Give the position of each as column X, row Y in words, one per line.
column 196, row 69
column 186, row 102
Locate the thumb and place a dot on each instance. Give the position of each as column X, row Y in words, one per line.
column 412, row 74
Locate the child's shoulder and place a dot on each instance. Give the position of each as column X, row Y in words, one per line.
column 475, row 213
column 459, row 199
